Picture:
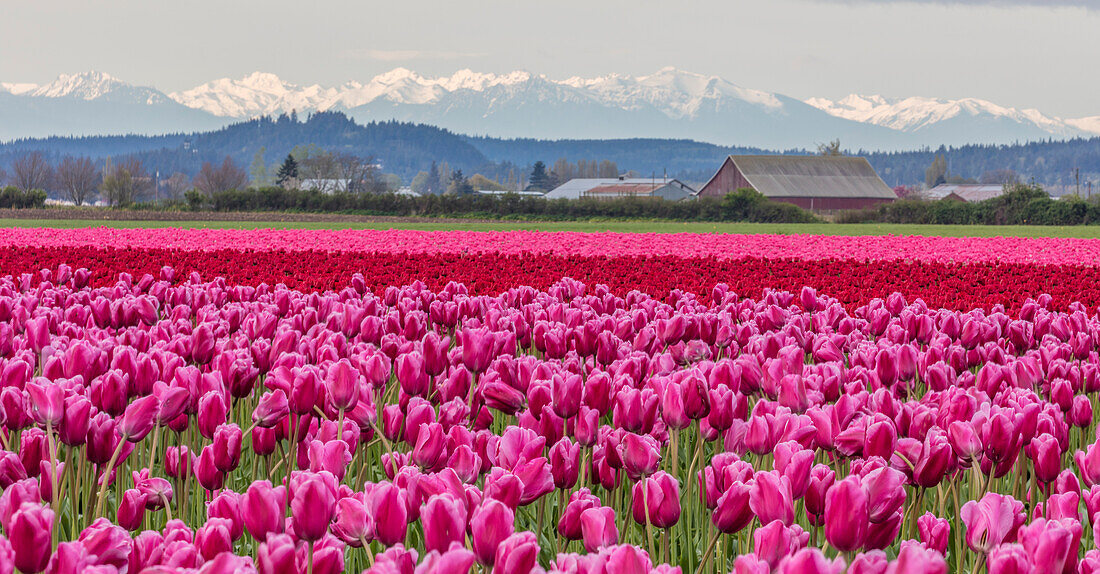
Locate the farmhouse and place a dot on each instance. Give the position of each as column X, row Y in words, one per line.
column 607, row 188
column 968, row 192
column 819, row 183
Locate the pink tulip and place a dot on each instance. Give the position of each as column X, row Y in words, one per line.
column 227, row 447
column 342, row 381
column 313, row 506
column 271, row 409
column 276, row 555
column 213, row 538
column 138, row 419
column 776, row 541
column 386, row 503
column 31, row 527
column 477, row 348
column 46, row 401
column 598, row 528
column 847, row 511
column 227, row 505
column 569, row 525
column 935, row 532
column 915, row 559
column 565, row 461
column 517, row 554
column 131, row 511
column 661, row 500
column 444, row 520
column 733, row 511
column 993, row 520
column 770, row 498
column 352, row 524
column 490, row 524
column 1046, row 455
column 263, row 509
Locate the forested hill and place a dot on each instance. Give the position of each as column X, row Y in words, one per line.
column 406, row 148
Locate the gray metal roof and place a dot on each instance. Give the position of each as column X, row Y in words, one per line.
column 812, row 176
column 966, row 191
column 577, row 188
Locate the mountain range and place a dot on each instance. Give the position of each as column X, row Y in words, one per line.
column 667, row 104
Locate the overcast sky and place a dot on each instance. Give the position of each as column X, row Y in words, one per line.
column 1026, row 54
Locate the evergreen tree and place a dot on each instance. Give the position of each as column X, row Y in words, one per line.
column 936, row 173
column 540, row 180
column 459, row 184
column 288, row 172
column 434, row 183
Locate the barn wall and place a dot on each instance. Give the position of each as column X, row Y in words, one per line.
column 833, row 203
column 727, row 180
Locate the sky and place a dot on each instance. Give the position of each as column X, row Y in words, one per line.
column 1042, row 54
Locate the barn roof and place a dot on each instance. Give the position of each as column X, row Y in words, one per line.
column 578, row 187
column 812, row 176
column 966, row 191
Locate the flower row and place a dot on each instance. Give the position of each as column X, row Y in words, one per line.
column 1045, row 251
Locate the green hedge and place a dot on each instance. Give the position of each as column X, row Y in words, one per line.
column 745, row 205
column 13, row 197
column 1020, row 205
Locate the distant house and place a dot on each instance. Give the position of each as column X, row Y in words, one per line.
column 523, row 193
column 819, row 183
column 608, row 188
column 328, row 186
column 968, row 192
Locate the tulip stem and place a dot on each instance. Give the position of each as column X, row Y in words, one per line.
column 710, row 550
column 107, row 477
column 153, row 448
column 55, row 496
column 309, row 560
column 648, row 523
column 370, row 553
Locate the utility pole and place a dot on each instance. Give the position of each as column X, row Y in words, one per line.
column 1077, row 177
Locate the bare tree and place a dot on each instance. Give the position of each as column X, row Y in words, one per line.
column 126, row 182
column 320, row 172
column 831, row 149
column 211, row 180
column 358, row 175
column 31, row 170
column 77, row 178
column 177, row 185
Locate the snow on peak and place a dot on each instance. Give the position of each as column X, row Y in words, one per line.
column 17, row 88
column 915, row 113
column 259, row 93
column 86, row 85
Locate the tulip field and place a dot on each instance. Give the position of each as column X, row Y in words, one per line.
column 405, row 402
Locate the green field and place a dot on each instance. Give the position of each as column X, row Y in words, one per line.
column 595, row 226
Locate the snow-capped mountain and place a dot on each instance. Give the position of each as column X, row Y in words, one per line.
column 667, row 104
column 93, row 103
column 916, row 114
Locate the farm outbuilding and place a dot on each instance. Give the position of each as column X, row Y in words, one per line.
column 819, row 183
column 968, row 192
column 607, row 188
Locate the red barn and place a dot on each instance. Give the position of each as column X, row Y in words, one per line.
column 818, row 183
